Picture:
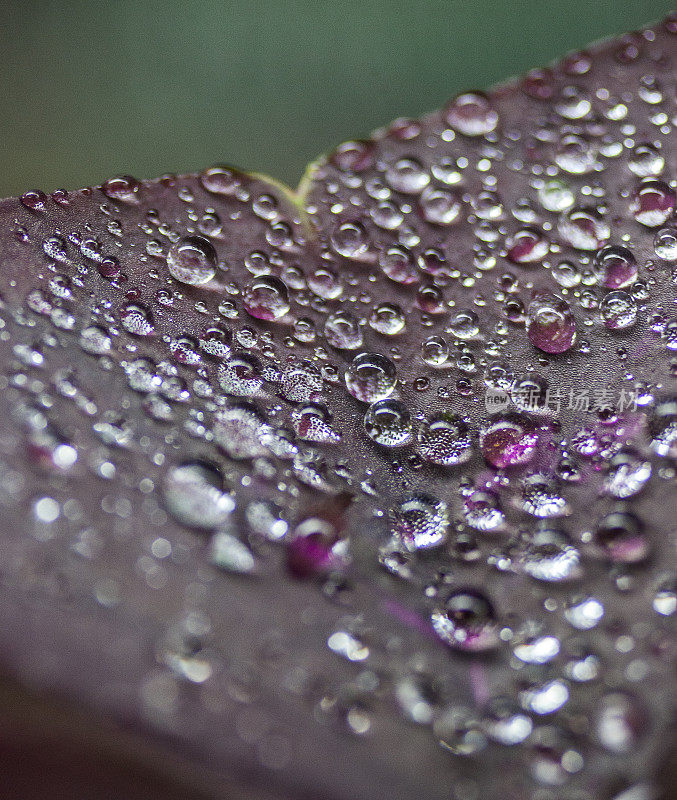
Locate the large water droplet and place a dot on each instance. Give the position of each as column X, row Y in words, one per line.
column 241, row 375
column 467, row 621
column 549, row 555
column 388, row 423
column 193, row 494
column 653, row 203
column 266, row 298
column 192, row 260
column 371, row 377
column 420, row 521
column 550, row 323
column 620, row 538
column 137, row 319
column 444, row 439
column 618, row 310
column 615, row 267
column 343, row 331
column 472, row 114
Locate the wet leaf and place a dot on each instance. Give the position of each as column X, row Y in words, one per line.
column 365, row 489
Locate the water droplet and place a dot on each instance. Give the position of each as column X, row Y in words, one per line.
column 137, row 319
column 464, row 325
column 266, row 298
column 95, row 340
column 240, row 431
column 663, row 429
column 584, row 228
column 584, row 613
column 406, row 175
column 618, row 310
column 241, row 375
column 350, row 239
column 628, row 473
column 540, row 497
column 398, row 264
column 183, row 649
column 227, row 552
column 665, row 599
column 527, row 246
column 371, row 377
column 123, row 189
column 615, row 267
column 439, row 207
column 556, row 196
column 192, row 260
column 549, row 555
column 576, row 155
column 216, row 342
column 665, row 244
column 458, row 731
column 355, row 156
column 420, row 522
column 316, row 548
column 301, row 382
column 388, row 423
column 444, row 439
column 467, row 621
column 550, row 323
column 506, row 723
column 545, row 698
column 532, row 646
column 325, row 283
column 388, row 319
column 193, row 495
column 620, row 538
column 554, row 757
column 435, row 351
column 653, row 203
column 35, row 201
column 646, row 161
column 222, row 180
column 343, row 331
column 472, row 114
column 620, row 722
column 508, row 442
column 312, row 423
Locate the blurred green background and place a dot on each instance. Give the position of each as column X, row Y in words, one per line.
column 91, row 89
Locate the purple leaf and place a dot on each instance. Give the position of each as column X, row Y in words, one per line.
column 364, row 490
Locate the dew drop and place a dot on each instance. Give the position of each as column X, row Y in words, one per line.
column 193, row 495
column 618, row 310
column 123, row 189
column 266, row 298
column 584, row 228
column 342, row 331
column 467, row 621
column 420, row 522
column 406, row 175
column 471, row 114
column 241, row 375
column 192, row 260
column 508, row 442
column 137, row 319
column 371, row 377
column 350, row 239
column 653, row 203
column 620, row 538
column 388, row 423
column 550, row 323
column 550, row 556
column 444, row 439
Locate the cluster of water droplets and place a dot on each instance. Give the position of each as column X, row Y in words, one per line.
column 379, row 383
